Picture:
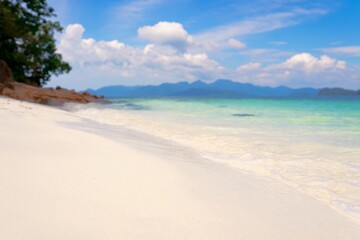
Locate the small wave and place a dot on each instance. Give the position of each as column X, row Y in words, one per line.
column 291, row 151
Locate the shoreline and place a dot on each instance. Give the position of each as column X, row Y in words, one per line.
column 159, row 146
column 61, row 182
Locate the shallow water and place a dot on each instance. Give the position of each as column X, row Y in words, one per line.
column 313, row 145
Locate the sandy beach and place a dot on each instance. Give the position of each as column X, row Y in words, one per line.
column 60, row 181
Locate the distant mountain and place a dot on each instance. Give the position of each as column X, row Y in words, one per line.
column 338, row 92
column 219, row 88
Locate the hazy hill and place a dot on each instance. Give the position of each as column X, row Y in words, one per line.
column 219, row 88
column 338, row 92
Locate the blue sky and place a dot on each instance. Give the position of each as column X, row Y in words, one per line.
column 296, row 43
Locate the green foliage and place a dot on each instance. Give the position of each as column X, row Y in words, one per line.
column 27, row 41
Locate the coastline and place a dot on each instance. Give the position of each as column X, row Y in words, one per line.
column 62, row 182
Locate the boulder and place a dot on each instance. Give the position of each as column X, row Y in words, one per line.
column 5, row 72
column 50, row 96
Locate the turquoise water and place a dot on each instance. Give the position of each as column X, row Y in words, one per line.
column 312, row 145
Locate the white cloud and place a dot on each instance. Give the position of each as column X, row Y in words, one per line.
column 189, row 66
column 300, row 70
column 266, row 54
column 255, row 25
column 113, row 58
column 249, row 67
column 167, row 33
column 236, row 44
column 350, row 51
column 81, row 51
column 101, row 63
column 308, row 63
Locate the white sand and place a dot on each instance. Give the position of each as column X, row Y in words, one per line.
column 60, row 183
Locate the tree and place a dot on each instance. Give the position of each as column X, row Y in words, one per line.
column 27, row 41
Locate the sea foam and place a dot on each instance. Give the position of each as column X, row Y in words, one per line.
column 313, row 146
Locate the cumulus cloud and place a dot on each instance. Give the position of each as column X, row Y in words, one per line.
column 189, row 66
column 308, row 63
column 80, row 50
column 236, row 44
column 300, row 70
column 167, row 33
column 153, row 62
column 100, row 63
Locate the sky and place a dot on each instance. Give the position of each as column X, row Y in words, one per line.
column 295, row 43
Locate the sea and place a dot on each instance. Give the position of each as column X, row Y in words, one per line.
column 311, row 144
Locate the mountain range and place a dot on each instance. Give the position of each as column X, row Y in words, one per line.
column 219, row 88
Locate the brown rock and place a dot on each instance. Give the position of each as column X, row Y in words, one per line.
column 48, row 96
column 5, row 72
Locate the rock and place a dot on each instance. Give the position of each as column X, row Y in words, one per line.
column 47, row 96
column 5, row 72
column 58, row 96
